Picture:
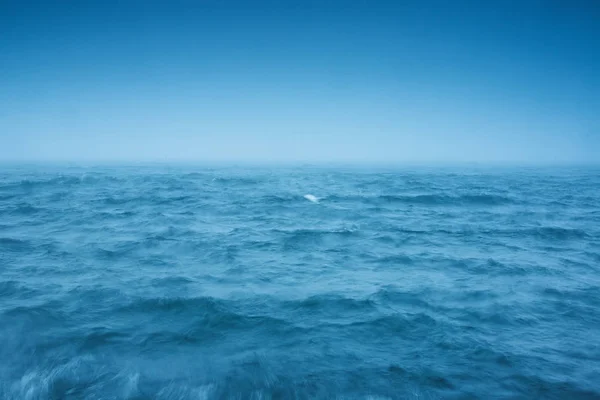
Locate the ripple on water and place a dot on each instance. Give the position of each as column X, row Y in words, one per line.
column 219, row 283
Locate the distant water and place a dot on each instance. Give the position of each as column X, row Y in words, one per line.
column 231, row 283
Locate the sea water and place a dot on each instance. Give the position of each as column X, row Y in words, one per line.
column 184, row 282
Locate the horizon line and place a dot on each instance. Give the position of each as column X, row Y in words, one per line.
column 297, row 163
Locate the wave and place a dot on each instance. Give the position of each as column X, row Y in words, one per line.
column 5, row 197
column 299, row 238
column 15, row 289
column 564, row 298
column 391, row 296
column 545, row 233
column 200, row 319
column 427, row 199
column 113, row 254
column 13, row 244
column 209, row 312
column 310, row 233
column 234, row 181
column 149, row 200
column 398, row 324
column 106, row 215
column 174, row 305
column 175, row 281
column 169, row 338
column 117, row 201
column 251, row 378
column 442, row 200
column 85, row 377
column 245, row 285
column 331, row 304
column 59, row 182
column 25, row 209
column 495, row 268
column 174, row 199
column 47, row 314
column 277, row 199
column 99, row 337
column 531, row 386
column 396, row 259
column 30, row 184
column 557, row 233
column 198, row 175
column 93, row 301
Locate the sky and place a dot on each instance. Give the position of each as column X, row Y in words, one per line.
column 300, row 81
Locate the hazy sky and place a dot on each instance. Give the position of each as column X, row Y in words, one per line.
column 308, row 81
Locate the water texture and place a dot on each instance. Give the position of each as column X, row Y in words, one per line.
column 155, row 282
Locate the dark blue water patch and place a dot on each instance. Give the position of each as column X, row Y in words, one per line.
column 280, row 199
column 391, row 296
column 394, row 260
column 235, row 181
column 447, row 200
column 47, row 314
column 120, row 251
column 537, row 387
column 174, row 281
column 173, row 306
column 37, row 185
column 559, row 234
column 545, row 233
column 15, row 290
column 594, row 257
column 494, row 267
column 323, row 310
column 22, row 209
column 302, row 239
column 184, row 283
column 127, row 200
column 13, row 244
column 4, row 197
column 201, row 321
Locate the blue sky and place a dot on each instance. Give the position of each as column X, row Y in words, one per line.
column 300, row 81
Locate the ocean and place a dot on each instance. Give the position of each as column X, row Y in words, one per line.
column 196, row 282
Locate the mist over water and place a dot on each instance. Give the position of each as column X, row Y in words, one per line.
column 156, row 282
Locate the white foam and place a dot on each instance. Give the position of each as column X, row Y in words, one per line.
column 312, row 198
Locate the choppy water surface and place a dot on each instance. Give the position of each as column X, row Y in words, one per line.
column 198, row 283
